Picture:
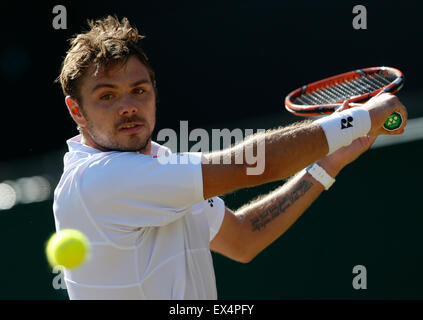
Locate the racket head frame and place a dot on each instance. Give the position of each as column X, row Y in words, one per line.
column 321, row 109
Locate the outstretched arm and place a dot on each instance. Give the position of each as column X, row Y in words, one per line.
column 249, row 230
column 285, row 151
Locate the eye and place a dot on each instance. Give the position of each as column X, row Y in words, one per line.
column 139, row 90
column 107, row 96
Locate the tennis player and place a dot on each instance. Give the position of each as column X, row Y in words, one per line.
column 152, row 225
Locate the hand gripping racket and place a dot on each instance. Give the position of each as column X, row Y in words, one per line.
column 327, row 95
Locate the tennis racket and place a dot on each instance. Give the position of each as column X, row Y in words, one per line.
column 327, row 95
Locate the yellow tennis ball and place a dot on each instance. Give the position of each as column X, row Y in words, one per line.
column 68, row 248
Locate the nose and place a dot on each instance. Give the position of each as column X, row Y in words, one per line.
column 127, row 107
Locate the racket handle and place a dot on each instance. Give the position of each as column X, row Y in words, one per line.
column 393, row 122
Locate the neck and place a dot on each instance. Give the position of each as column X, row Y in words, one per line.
column 147, row 149
column 88, row 141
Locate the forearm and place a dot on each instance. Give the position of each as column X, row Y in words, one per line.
column 288, row 151
column 285, row 152
column 266, row 219
column 280, row 153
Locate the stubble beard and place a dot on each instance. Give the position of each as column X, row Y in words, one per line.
column 108, row 144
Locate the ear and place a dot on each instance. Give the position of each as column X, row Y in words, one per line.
column 75, row 111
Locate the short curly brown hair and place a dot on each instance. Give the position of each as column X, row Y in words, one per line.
column 109, row 41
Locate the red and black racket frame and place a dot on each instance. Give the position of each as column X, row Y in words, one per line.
column 318, row 110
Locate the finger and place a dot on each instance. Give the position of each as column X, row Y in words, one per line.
column 345, row 105
column 379, row 93
column 399, row 131
column 395, row 132
column 367, row 141
column 371, row 140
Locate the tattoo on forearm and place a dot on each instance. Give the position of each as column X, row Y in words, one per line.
column 275, row 210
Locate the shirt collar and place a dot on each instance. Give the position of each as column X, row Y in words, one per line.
column 75, row 145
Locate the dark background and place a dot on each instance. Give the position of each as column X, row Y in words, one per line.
column 224, row 66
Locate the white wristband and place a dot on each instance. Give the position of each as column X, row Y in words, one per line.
column 342, row 128
column 320, row 174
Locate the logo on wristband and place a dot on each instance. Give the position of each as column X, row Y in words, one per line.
column 347, row 123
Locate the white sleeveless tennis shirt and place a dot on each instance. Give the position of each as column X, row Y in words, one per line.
column 147, row 222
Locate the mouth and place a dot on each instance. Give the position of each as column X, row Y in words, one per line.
column 130, row 128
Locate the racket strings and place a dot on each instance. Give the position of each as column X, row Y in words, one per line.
column 344, row 89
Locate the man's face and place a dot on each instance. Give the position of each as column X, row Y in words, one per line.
column 118, row 107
